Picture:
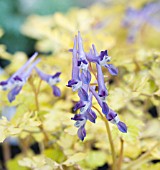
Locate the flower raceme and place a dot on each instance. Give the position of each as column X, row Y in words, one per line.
column 15, row 83
column 80, row 82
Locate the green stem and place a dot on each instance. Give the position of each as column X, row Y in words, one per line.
column 142, row 158
column 109, row 137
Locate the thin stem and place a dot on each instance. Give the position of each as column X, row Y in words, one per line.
column 109, row 137
column 142, row 158
column 6, row 152
column 91, row 69
column 36, row 92
column 93, row 84
column 120, row 161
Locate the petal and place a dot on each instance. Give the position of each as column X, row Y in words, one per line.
column 23, row 68
column 71, row 83
column 122, row 127
column 86, row 77
column 79, row 117
column 4, row 85
column 17, row 78
column 102, row 90
column 105, row 108
column 78, row 105
column 81, row 133
column 56, row 91
column 12, row 94
column 80, row 47
column 27, row 73
column 91, row 57
column 112, row 69
column 103, row 53
column 111, row 115
column 56, row 75
column 91, row 115
column 83, row 94
column 42, row 75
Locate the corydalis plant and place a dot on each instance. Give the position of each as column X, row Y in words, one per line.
column 81, row 77
column 15, row 83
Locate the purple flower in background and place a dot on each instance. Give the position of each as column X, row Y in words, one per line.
column 52, row 80
column 135, row 19
column 19, row 78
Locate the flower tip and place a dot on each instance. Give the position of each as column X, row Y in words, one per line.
column 35, row 54
column 70, row 50
column 122, row 127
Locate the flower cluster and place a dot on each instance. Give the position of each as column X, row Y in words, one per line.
column 15, row 83
column 81, row 77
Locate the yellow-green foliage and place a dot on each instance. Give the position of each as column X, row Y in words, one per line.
column 133, row 92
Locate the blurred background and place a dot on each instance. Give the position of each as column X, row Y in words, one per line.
column 14, row 13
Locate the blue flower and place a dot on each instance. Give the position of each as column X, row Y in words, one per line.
column 86, row 113
column 75, row 83
column 52, row 80
column 103, row 104
column 102, row 90
column 83, row 62
column 19, row 78
column 113, row 118
column 102, row 60
column 80, row 124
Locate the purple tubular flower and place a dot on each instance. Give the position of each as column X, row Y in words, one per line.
column 81, row 54
column 102, row 91
column 113, row 118
column 86, row 77
column 86, row 113
column 80, row 124
column 112, row 69
column 19, row 78
column 12, row 94
column 79, row 105
column 75, row 83
column 56, row 91
column 81, row 133
column 104, row 106
column 52, row 80
column 82, row 62
column 91, row 115
column 10, row 83
column 104, row 59
column 122, row 127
